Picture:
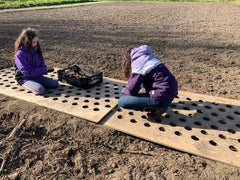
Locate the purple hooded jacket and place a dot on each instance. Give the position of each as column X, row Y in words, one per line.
column 158, row 81
column 30, row 65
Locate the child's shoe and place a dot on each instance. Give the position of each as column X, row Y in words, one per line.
column 157, row 112
column 160, row 111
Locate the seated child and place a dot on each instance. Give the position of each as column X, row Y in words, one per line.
column 29, row 64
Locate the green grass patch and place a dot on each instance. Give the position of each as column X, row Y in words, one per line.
column 6, row 4
column 169, row 0
column 31, row 3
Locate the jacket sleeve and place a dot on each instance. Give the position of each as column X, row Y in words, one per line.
column 134, row 84
column 24, row 66
column 43, row 64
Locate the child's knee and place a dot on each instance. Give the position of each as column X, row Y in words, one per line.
column 121, row 102
column 39, row 91
column 35, row 88
column 54, row 84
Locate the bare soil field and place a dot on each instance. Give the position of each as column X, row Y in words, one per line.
column 198, row 42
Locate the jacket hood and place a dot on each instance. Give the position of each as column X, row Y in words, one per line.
column 140, row 55
column 140, row 51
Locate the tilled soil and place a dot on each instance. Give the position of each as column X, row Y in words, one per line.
column 198, row 42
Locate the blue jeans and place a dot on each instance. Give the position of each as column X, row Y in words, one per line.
column 38, row 85
column 142, row 101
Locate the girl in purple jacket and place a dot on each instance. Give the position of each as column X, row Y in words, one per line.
column 144, row 69
column 29, row 64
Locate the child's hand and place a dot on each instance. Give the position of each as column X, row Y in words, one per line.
column 142, row 90
column 50, row 69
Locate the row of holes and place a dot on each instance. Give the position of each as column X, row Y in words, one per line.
column 70, row 87
column 205, row 118
column 201, row 101
column 7, row 70
column 212, row 142
column 58, row 94
column 174, row 124
column 195, row 138
column 206, row 106
column 107, row 85
column 86, row 101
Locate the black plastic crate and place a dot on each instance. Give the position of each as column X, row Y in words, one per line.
column 80, row 77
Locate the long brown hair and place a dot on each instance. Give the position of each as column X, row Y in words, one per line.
column 126, row 64
column 25, row 38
